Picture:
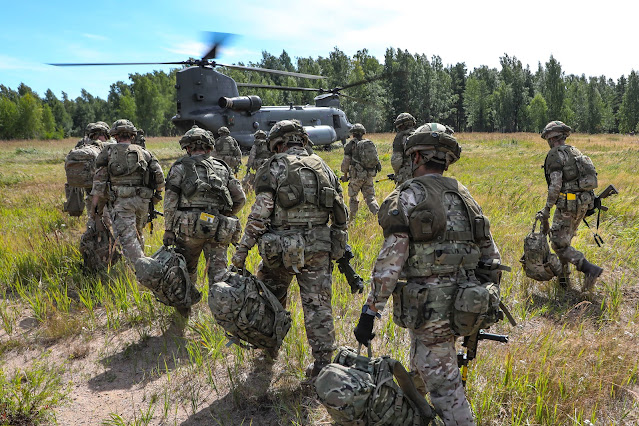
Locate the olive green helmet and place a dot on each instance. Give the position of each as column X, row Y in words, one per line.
column 97, row 129
column 556, row 128
column 405, row 120
column 435, row 142
column 123, row 126
column 358, row 129
column 196, row 136
column 224, row 131
column 288, row 132
column 260, row 134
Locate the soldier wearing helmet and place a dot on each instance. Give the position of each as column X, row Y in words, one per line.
column 202, row 199
column 260, row 152
column 360, row 166
column 297, row 194
column 128, row 177
column 227, row 149
column 436, row 237
column 571, row 178
column 405, row 125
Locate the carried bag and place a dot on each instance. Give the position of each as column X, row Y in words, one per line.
column 358, row 390
column 79, row 165
column 98, row 248
column 367, row 153
column 247, row 310
column 166, row 275
column 538, row 261
column 75, row 200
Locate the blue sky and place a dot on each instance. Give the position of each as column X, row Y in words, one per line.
column 592, row 40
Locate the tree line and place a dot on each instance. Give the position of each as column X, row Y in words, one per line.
column 510, row 99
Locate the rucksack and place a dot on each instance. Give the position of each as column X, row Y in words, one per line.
column 165, row 274
column 538, row 262
column 75, row 200
column 247, row 310
column 98, row 248
column 80, row 165
column 358, row 390
column 367, row 154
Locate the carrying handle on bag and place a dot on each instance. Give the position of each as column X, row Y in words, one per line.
column 544, row 225
column 370, row 351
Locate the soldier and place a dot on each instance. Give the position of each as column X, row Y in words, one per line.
column 435, row 237
column 405, row 125
column 296, row 195
column 571, row 178
column 227, row 149
column 258, row 156
column 200, row 190
column 128, row 177
column 360, row 165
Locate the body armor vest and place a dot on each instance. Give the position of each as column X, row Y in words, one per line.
column 224, row 146
column 577, row 174
column 127, row 164
column 205, row 184
column 405, row 171
column 262, row 153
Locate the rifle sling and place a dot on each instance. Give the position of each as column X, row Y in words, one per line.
column 408, row 387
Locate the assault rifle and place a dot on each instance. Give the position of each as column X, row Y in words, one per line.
column 607, row 192
column 344, row 266
column 388, row 177
column 153, row 214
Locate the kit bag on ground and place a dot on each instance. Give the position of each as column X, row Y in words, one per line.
column 75, row 200
column 538, row 261
column 80, row 166
column 247, row 310
column 367, row 153
column 358, row 390
column 165, row 274
column 98, row 248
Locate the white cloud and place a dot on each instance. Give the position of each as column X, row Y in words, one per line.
column 95, row 37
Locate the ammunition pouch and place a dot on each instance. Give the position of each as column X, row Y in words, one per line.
column 132, row 191
column 410, row 305
column 476, row 306
column 339, row 239
column 222, row 229
column 270, row 250
column 293, row 251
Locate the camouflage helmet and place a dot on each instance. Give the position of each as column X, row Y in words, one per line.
column 405, row 119
column 260, row 134
column 224, row 130
column 358, row 129
column 196, row 136
column 556, row 128
column 123, row 126
column 435, row 142
column 288, row 132
column 99, row 127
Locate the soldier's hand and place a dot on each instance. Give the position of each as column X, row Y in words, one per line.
column 157, row 197
column 344, row 178
column 239, row 258
column 364, row 329
column 169, row 238
column 378, row 168
column 543, row 213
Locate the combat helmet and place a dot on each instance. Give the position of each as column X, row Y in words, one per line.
column 260, row 134
column 556, row 128
column 435, row 142
column 196, row 136
column 123, row 126
column 224, row 131
column 358, row 129
column 98, row 128
column 288, row 132
column 405, row 120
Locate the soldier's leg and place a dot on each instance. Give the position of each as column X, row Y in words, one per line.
column 216, row 260
column 190, row 248
column 561, row 233
column 368, row 191
column 277, row 280
column 142, row 216
column 433, row 356
column 315, row 292
column 125, row 230
column 354, row 186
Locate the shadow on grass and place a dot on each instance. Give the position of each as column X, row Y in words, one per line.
column 568, row 306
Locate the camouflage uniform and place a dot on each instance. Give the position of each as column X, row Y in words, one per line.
column 400, row 162
column 360, row 178
column 227, row 149
column 127, row 177
column 259, row 154
column 566, row 192
column 301, row 225
column 182, row 212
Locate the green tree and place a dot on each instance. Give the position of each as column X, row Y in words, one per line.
column 629, row 109
column 554, row 89
column 538, row 113
column 8, row 117
column 29, row 119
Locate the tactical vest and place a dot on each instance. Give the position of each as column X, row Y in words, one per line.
column 262, row 153
column 205, row 184
column 405, row 171
column 224, row 146
column 127, row 164
column 578, row 174
column 444, row 227
column 304, row 197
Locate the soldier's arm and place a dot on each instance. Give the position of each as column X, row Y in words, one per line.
column 237, row 195
column 554, row 188
column 172, row 196
column 386, row 271
column 158, row 175
column 258, row 220
column 397, row 157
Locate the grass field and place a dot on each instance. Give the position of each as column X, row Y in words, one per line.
column 99, row 350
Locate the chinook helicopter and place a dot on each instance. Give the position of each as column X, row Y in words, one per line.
column 210, row 99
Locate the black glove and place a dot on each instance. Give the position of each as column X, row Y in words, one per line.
column 169, row 238
column 364, row 330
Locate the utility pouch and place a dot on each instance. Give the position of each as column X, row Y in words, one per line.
column 571, row 202
column 293, row 251
column 339, row 239
column 327, row 196
column 561, row 202
column 409, row 305
column 290, row 195
column 226, row 229
column 125, row 191
column 206, row 226
column 270, row 250
column 145, row 193
column 470, row 308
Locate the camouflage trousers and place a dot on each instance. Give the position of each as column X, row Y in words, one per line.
column 433, row 355
column 315, row 281
column 367, row 187
column 214, row 254
column 128, row 216
column 248, row 182
column 563, row 229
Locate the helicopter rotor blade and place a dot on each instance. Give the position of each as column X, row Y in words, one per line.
column 358, row 100
column 367, row 80
column 270, row 71
column 267, row 86
column 215, row 41
column 119, row 63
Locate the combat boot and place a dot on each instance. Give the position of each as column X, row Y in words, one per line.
column 564, row 277
column 591, row 273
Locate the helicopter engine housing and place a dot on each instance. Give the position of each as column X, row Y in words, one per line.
column 241, row 103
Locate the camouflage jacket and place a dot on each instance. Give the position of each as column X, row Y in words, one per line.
column 258, row 155
column 227, row 150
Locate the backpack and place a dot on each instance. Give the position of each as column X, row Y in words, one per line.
column 358, row 390
column 538, row 262
column 165, row 274
column 80, row 166
column 99, row 249
column 75, row 200
column 247, row 310
column 367, row 154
